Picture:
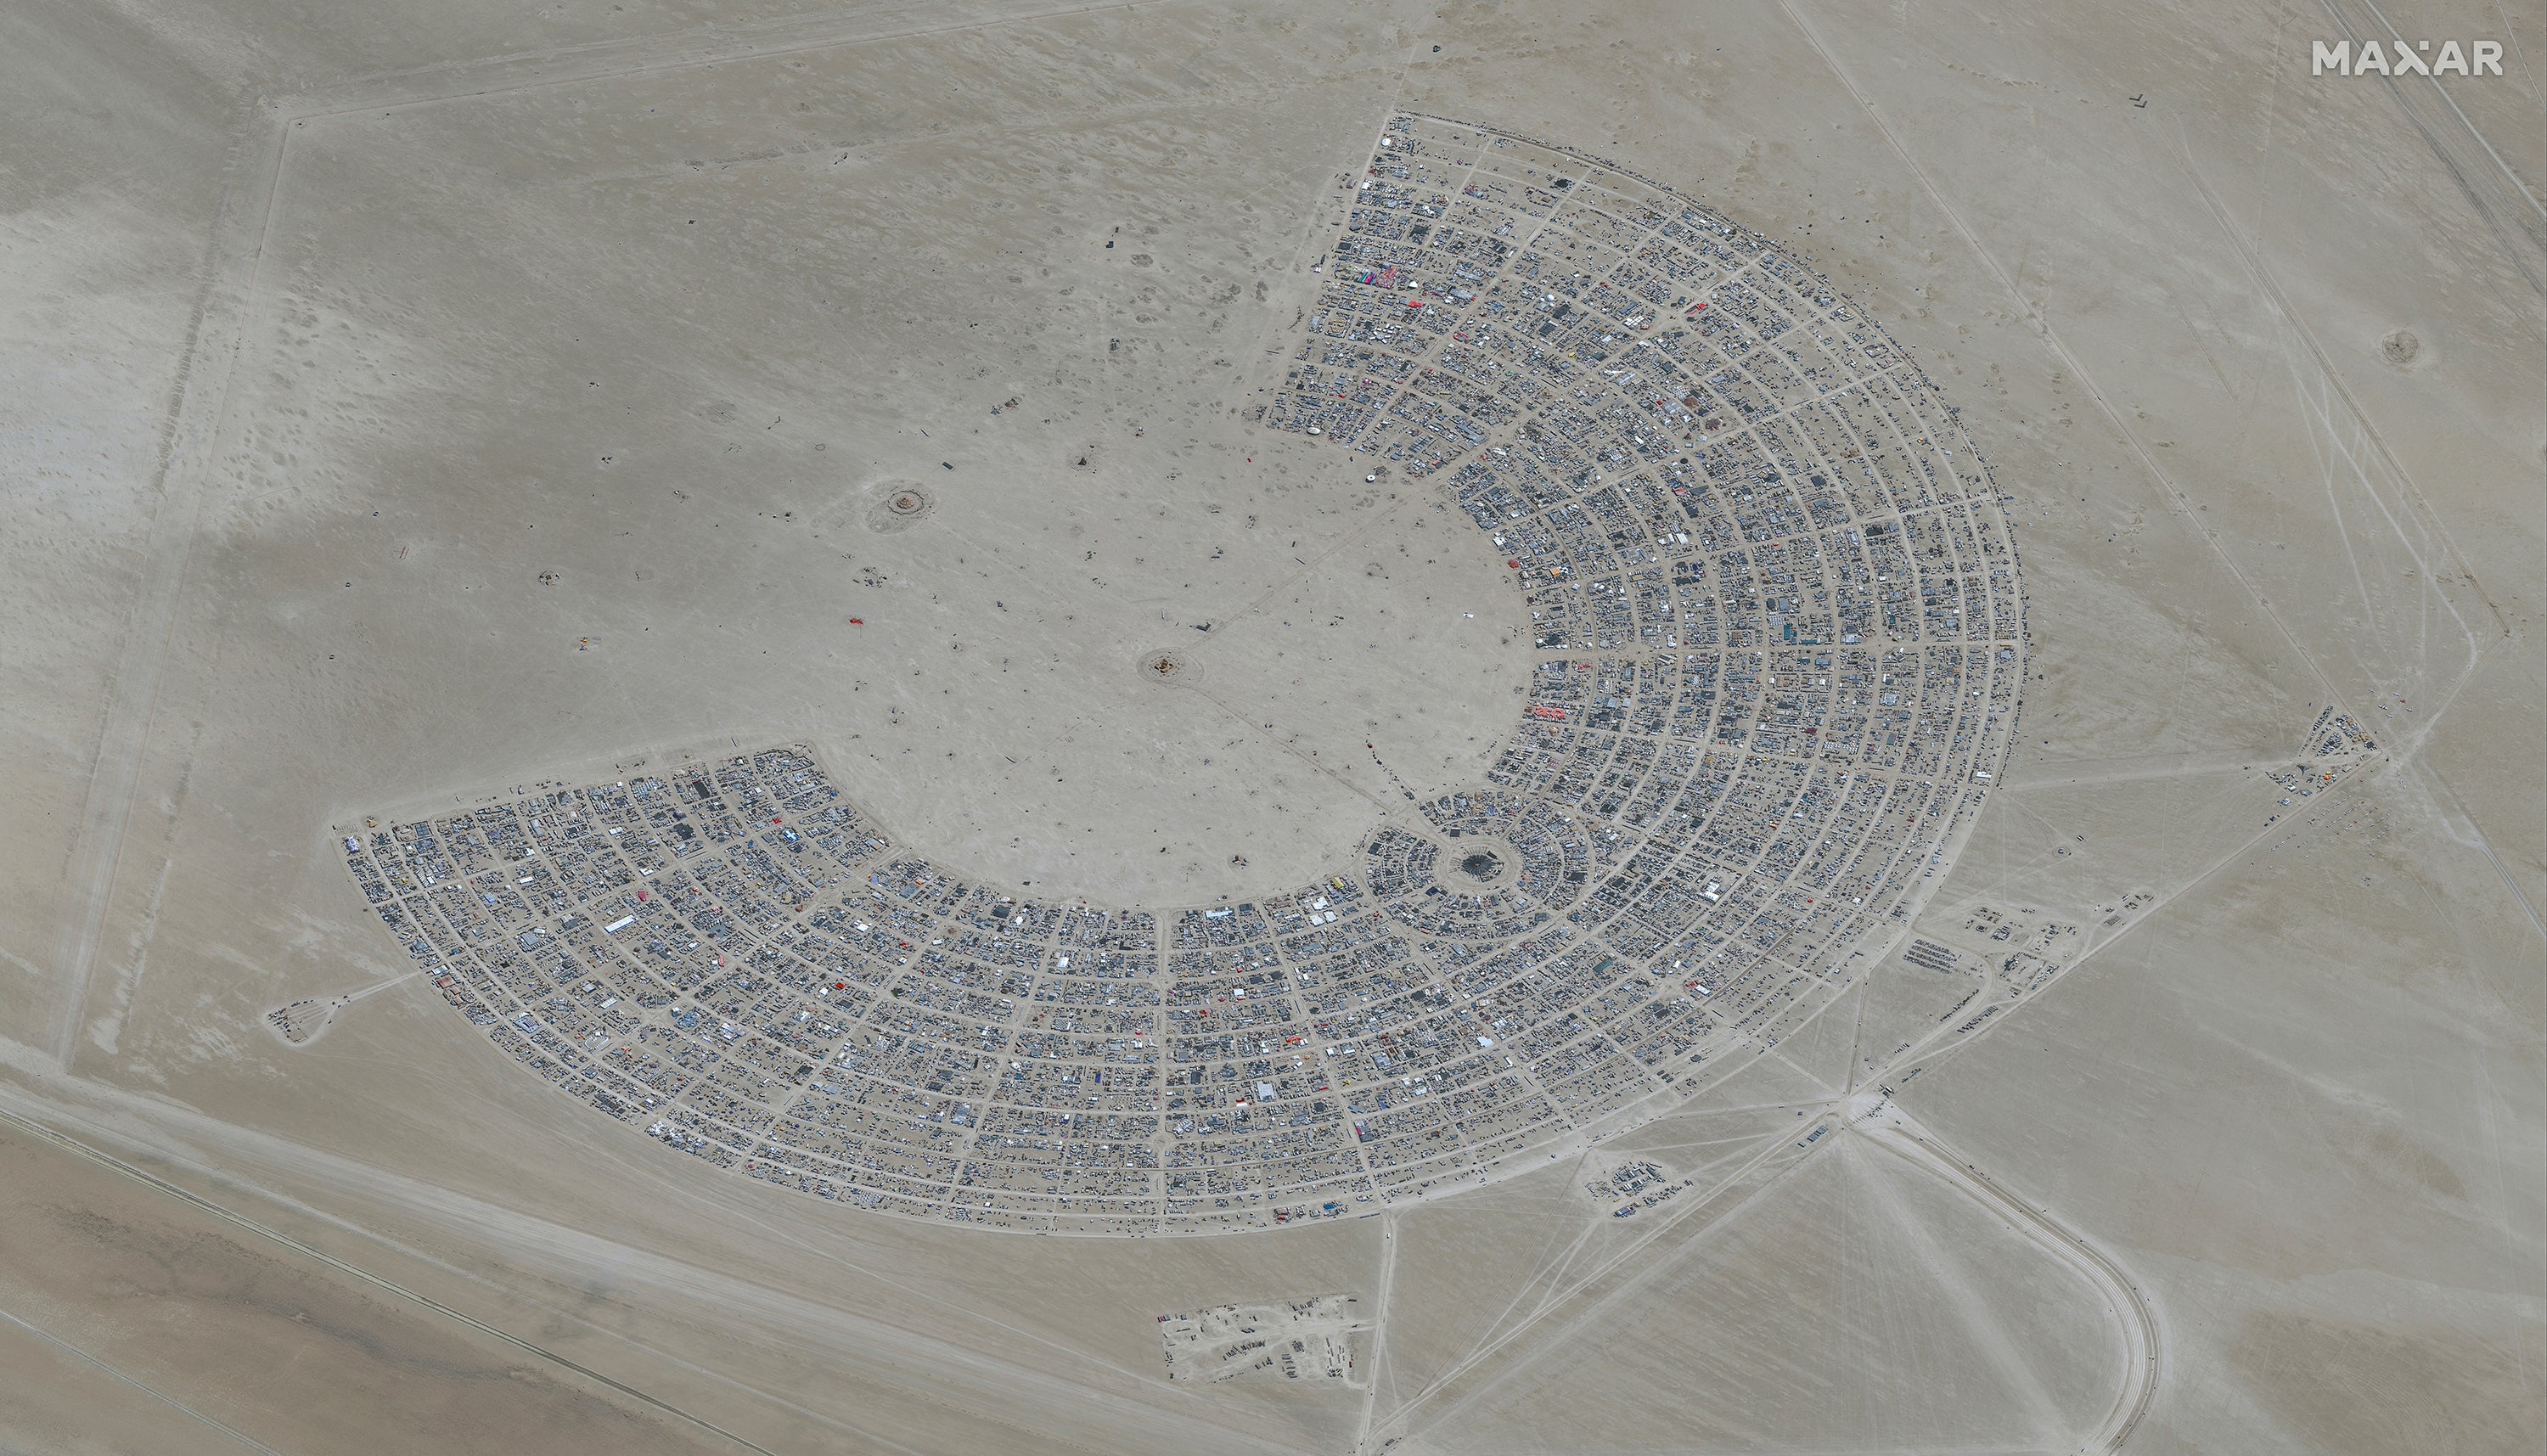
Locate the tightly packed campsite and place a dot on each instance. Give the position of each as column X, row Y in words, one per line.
column 1778, row 649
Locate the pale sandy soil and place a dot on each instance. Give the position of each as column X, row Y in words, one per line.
column 330, row 330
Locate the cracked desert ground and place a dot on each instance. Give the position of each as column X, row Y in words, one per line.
column 405, row 405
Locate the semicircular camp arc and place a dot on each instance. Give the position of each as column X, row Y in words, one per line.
column 1777, row 646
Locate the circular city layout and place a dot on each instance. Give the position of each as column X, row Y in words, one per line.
column 1777, row 654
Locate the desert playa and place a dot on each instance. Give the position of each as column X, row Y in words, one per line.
column 996, row 726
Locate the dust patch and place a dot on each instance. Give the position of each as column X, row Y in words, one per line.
column 2347, row 1386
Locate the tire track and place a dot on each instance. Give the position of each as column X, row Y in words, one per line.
column 191, row 451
